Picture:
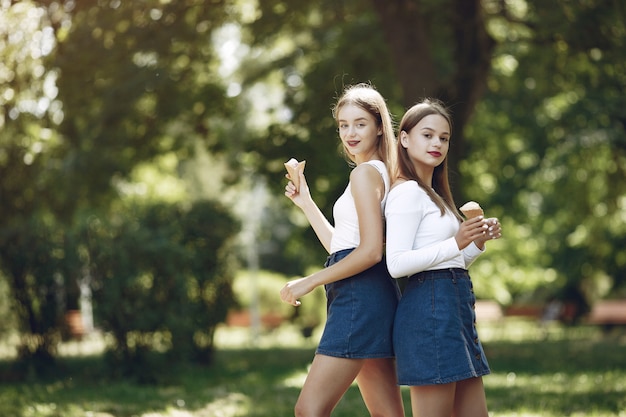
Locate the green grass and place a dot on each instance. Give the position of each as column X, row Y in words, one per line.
column 549, row 373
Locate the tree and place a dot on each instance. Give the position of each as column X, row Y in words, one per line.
column 147, row 68
column 162, row 277
column 414, row 49
column 32, row 257
column 31, row 241
column 93, row 90
column 520, row 77
column 556, row 166
column 440, row 49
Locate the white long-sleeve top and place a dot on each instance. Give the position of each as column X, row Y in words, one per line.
column 419, row 238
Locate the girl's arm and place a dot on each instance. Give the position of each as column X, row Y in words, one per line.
column 368, row 190
column 406, row 208
column 302, row 198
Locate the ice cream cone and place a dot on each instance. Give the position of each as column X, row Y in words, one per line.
column 471, row 209
column 294, row 168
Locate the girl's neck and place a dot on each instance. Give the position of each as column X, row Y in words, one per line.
column 359, row 159
column 425, row 174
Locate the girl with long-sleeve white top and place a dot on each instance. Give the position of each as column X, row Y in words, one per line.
column 423, row 239
column 438, row 353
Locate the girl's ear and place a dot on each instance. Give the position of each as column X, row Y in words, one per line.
column 404, row 139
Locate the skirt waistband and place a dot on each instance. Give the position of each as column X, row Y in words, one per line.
column 448, row 273
column 340, row 254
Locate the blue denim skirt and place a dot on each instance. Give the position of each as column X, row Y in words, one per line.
column 360, row 313
column 434, row 337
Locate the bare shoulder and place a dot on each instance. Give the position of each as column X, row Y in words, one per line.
column 366, row 182
column 365, row 173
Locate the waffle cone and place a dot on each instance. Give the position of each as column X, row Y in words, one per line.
column 470, row 214
column 294, row 168
column 471, row 209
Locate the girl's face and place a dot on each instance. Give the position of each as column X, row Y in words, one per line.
column 428, row 142
column 358, row 132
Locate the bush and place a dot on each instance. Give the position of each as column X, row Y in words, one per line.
column 163, row 281
column 31, row 259
column 307, row 316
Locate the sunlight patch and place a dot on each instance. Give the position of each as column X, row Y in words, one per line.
column 230, row 405
column 170, row 413
column 295, row 380
column 233, row 404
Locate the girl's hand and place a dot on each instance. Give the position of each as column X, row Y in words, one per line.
column 294, row 290
column 299, row 197
column 470, row 231
column 494, row 231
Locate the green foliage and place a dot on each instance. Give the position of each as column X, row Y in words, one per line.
column 318, row 50
column 573, row 372
column 94, row 89
column 147, row 66
column 162, row 270
column 322, row 57
column 267, row 286
column 33, row 256
column 9, row 322
column 548, row 154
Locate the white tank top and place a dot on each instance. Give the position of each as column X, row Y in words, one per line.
column 346, row 234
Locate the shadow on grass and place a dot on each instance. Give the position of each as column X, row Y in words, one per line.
column 562, row 356
column 243, row 382
column 581, row 376
column 585, row 377
column 543, row 399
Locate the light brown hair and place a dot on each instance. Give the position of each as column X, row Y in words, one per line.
column 440, row 193
column 369, row 99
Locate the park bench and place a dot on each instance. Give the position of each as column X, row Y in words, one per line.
column 487, row 311
column 608, row 314
column 243, row 319
column 531, row 311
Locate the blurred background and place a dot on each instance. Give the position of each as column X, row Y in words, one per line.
column 142, row 147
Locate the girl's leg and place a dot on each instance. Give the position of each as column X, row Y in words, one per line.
column 470, row 400
column 378, row 383
column 328, row 379
column 433, row 400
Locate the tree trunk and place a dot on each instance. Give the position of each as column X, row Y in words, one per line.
column 403, row 22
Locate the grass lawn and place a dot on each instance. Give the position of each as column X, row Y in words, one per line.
column 550, row 372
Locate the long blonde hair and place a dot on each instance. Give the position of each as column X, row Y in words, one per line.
column 366, row 97
column 440, row 193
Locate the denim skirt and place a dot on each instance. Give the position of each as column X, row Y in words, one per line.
column 360, row 313
column 434, row 336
